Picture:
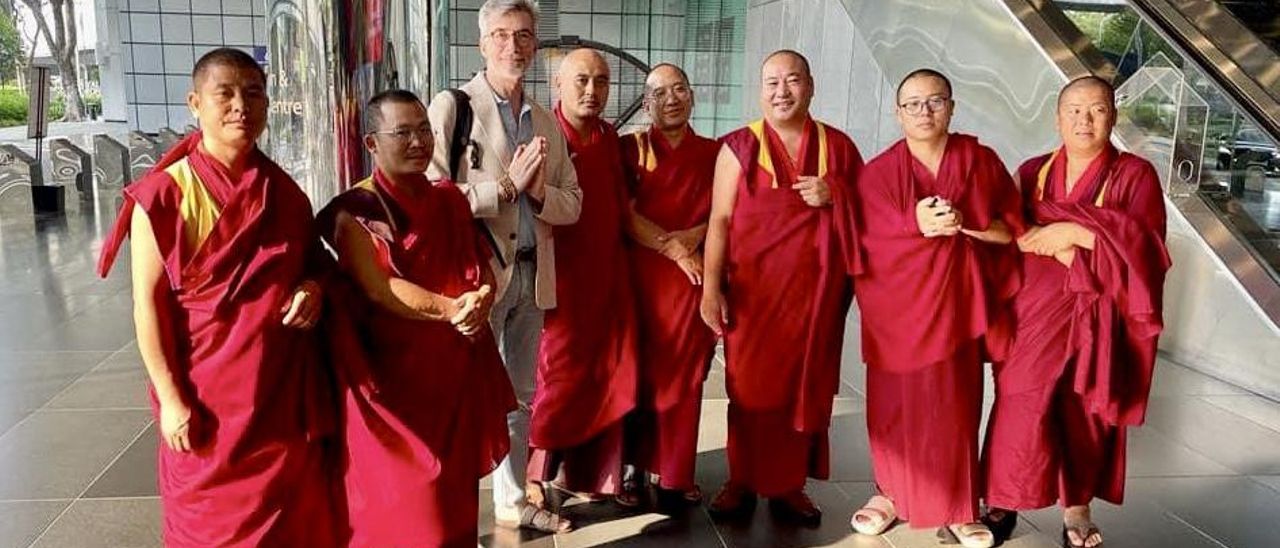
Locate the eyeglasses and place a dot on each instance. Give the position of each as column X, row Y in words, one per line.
column 406, row 134
column 504, row 36
column 917, row 106
column 679, row 91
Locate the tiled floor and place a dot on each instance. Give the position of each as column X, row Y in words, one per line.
column 77, row 447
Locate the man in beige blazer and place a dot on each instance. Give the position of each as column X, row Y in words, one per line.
column 517, row 175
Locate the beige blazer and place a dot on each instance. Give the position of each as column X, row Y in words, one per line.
column 563, row 200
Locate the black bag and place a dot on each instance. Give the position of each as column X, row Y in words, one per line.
column 459, row 142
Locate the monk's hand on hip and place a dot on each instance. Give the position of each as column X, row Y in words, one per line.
column 302, row 310
column 175, row 426
column 814, row 191
column 715, row 311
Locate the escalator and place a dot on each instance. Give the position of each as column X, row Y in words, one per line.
column 1198, row 85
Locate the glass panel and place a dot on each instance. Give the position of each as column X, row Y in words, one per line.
column 1177, row 117
column 705, row 37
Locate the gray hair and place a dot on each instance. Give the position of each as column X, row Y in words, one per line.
column 500, row 7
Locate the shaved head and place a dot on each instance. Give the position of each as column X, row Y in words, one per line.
column 580, row 59
column 663, row 71
column 582, row 84
column 924, row 73
column 226, row 57
column 1088, row 82
column 791, row 53
column 668, row 99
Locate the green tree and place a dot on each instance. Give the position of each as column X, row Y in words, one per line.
column 10, row 48
column 61, row 37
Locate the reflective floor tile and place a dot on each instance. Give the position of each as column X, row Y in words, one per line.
column 106, row 523
column 22, row 521
column 56, row 454
column 133, row 474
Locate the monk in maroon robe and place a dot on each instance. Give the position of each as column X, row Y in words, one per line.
column 424, row 396
column 1088, row 318
column 673, row 169
column 586, row 377
column 780, row 251
column 223, row 254
column 938, row 212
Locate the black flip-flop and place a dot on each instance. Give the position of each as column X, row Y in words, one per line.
column 1085, row 530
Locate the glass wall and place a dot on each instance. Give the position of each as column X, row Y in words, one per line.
column 704, row 37
column 1200, row 140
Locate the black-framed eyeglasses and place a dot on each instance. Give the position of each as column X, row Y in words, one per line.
column 406, row 134
column 917, row 106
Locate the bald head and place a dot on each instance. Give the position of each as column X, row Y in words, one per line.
column 786, row 88
column 583, row 59
column 583, row 85
column 665, row 74
column 791, row 55
column 668, row 99
column 1088, row 83
column 230, row 58
column 1086, row 116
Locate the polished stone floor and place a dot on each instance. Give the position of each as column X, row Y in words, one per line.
column 77, row 444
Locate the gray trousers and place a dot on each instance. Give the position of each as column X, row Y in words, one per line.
column 517, row 325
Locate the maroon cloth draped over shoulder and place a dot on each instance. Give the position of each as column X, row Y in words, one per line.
column 586, row 377
column 423, row 407
column 255, row 477
column 921, row 299
column 676, row 346
column 788, row 279
column 1117, row 288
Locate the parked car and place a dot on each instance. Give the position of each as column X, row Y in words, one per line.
column 1248, row 147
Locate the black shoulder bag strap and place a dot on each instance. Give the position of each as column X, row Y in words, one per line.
column 459, row 141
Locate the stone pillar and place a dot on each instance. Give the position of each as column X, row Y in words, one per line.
column 72, row 168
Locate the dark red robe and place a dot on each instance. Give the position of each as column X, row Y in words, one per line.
column 586, row 377
column 255, row 477
column 926, row 306
column 673, row 190
column 788, row 288
column 423, row 407
column 1084, row 349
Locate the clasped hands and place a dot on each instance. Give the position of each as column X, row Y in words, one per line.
column 1057, row 240
column 469, row 312
column 935, row 217
column 526, row 174
column 681, row 246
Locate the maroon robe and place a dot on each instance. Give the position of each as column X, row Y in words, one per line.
column 255, row 476
column 788, row 288
column 1084, row 348
column 926, row 306
column 673, row 190
column 423, row 407
column 586, row 376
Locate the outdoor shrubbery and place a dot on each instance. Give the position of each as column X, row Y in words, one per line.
column 13, row 107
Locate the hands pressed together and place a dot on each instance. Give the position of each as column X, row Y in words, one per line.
column 935, row 217
column 526, row 173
